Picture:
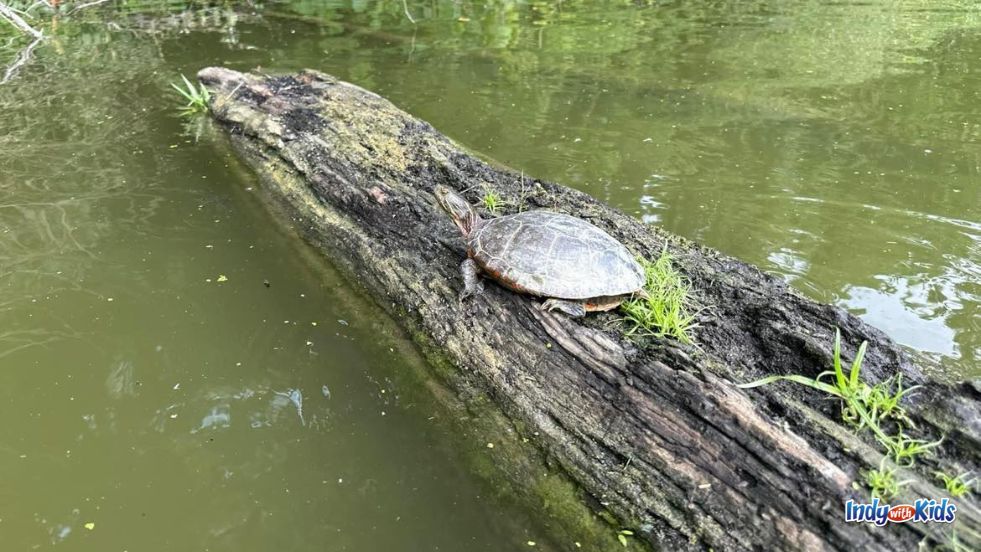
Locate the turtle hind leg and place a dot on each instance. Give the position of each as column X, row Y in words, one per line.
column 575, row 309
column 605, row 303
column 471, row 279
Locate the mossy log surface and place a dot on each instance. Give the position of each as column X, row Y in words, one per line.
column 654, row 431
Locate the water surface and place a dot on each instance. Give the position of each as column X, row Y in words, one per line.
column 176, row 372
column 180, row 373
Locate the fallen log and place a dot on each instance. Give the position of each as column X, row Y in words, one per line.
column 654, row 431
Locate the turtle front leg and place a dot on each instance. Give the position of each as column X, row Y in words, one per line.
column 471, row 279
column 575, row 309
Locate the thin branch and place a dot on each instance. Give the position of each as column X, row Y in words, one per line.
column 405, row 7
column 10, row 15
column 39, row 3
column 22, row 58
column 87, row 5
column 221, row 102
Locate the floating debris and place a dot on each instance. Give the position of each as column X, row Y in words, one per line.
column 219, row 417
column 325, row 391
column 296, row 397
column 61, row 532
column 121, row 380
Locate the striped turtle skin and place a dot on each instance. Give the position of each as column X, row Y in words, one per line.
column 554, row 255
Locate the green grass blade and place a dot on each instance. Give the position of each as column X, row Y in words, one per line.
column 665, row 309
column 839, row 374
column 813, row 384
column 198, row 97
column 857, row 364
column 182, row 92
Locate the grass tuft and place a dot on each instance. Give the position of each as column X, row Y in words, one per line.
column 665, row 311
column 905, row 450
column 956, row 486
column 883, row 482
column 864, row 405
column 197, row 96
column 867, row 406
column 492, row 202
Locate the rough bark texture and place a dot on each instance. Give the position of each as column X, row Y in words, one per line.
column 654, row 431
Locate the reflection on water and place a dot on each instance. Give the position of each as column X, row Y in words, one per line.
column 903, row 314
column 175, row 374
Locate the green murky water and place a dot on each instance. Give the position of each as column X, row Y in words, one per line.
column 154, row 385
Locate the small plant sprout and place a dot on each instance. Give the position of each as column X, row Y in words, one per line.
column 622, row 536
column 492, row 202
column 665, row 311
column 905, row 450
column 864, row 405
column 882, row 482
column 197, row 96
column 956, row 486
column 883, row 400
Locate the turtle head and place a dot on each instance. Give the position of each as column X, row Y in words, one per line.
column 460, row 211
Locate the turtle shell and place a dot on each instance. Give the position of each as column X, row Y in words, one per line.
column 554, row 255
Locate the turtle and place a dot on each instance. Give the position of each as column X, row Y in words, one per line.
column 574, row 265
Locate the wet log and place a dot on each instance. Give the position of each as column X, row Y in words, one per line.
column 654, row 431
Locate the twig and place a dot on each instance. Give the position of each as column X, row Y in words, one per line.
column 22, row 58
column 405, row 7
column 10, row 15
column 39, row 3
column 221, row 102
column 87, row 5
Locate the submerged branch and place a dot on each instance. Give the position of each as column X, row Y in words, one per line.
column 16, row 20
column 22, row 57
column 87, row 5
column 405, row 7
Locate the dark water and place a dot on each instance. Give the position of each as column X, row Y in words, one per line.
column 153, row 385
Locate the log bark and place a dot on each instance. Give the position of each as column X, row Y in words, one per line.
column 654, row 431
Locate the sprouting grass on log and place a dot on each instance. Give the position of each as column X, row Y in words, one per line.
column 866, row 406
column 492, row 202
column 905, row 450
column 882, row 482
column 666, row 311
column 957, row 486
column 197, row 97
